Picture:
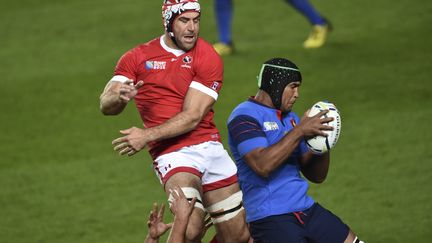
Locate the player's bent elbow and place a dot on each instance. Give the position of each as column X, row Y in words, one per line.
column 110, row 111
column 107, row 112
column 263, row 172
column 317, row 180
column 194, row 120
column 255, row 163
column 194, row 123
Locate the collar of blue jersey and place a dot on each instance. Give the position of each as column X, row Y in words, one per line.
column 253, row 100
column 279, row 112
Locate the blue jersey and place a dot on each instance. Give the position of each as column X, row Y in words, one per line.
column 253, row 125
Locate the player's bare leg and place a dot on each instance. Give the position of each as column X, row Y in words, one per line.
column 191, row 186
column 231, row 227
column 352, row 238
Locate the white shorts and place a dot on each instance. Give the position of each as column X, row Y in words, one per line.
column 208, row 160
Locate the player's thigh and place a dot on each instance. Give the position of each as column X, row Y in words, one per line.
column 220, row 170
column 191, row 186
column 225, row 207
column 278, row 229
column 217, row 195
column 324, row 226
column 180, row 164
column 234, row 230
column 350, row 238
column 183, row 179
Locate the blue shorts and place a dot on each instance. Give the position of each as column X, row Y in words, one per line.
column 316, row 224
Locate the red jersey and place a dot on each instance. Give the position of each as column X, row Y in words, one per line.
column 168, row 74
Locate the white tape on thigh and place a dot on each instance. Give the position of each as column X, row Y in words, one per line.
column 229, row 203
column 357, row 240
column 190, row 193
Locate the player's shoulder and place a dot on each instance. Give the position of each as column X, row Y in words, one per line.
column 149, row 45
column 206, row 49
column 206, row 59
column 245, row 108
column 143, row 50
column 203, row 44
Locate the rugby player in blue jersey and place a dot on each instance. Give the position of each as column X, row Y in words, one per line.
column 267, row 141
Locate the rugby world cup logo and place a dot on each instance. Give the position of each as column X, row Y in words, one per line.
column 270, row 126
column 155, row 65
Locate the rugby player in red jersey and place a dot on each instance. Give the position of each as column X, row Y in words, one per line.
column 175, row 79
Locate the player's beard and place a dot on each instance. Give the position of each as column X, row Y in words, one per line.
column 183, row 45
column 287, row 106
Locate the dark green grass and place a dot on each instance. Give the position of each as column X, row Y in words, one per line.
column 61, row 181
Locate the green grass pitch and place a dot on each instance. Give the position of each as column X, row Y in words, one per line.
column 60, row 180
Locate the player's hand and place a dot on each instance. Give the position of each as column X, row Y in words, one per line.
column 155, row 224
column 133, row 141
column 128, row 90
column 180, row 206
column 315, row 125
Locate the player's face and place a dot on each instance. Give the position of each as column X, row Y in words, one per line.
column 186, row 30
column 290, row 96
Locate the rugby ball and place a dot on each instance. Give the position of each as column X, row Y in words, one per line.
column 320, row 144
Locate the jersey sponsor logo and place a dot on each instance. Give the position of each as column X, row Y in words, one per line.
column 155, row 65
column 215, row 85
column 270, row 126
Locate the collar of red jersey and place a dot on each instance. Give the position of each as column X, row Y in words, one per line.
column 176, row 52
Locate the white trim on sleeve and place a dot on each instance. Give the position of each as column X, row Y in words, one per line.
column 204, row 89
column 119, row 78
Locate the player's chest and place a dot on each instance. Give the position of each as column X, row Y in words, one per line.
column 173, row 72
column 275, row 129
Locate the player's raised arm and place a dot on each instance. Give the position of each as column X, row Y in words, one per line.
column 116, row 95
column 182, row 210
column 155, row 224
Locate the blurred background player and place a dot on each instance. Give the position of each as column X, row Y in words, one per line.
column 224, row 16
column 320, row 26
column 175, row 79
column 267, row 139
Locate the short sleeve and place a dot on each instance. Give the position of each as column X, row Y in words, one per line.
column 126, row 66
column 209, row 72
column 246, row 134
